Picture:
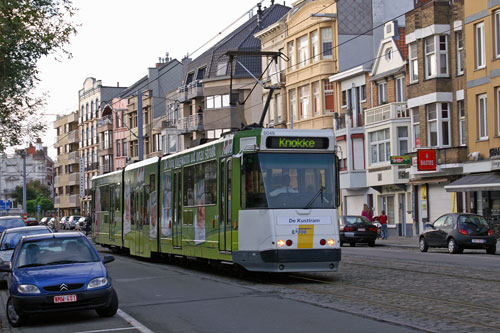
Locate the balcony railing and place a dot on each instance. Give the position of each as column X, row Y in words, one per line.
column 105, row 121
column 74, row 199
column 195, row 123
column 73, row 157
column 74, row 178
column 105, row 168
column 390, row 111
column 105, row 145
column 195, row 89
column 73, row 136
column 182, row 125
column 182, row 94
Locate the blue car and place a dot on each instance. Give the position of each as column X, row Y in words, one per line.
column 57, row 272
column 7, row 222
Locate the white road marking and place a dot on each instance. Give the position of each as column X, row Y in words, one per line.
column 109, row 330
column 140, row 327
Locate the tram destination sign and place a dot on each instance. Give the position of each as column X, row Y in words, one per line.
column 296, row 142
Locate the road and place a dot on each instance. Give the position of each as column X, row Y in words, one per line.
column 379, row 289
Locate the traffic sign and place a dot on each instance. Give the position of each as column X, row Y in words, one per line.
column 2, row 205
column 38, row 208
column 7, row 205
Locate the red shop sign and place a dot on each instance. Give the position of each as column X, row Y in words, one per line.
column 426, row 160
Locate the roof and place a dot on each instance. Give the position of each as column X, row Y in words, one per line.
column 475, row 182
column 242, row 38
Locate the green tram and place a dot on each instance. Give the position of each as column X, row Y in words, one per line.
column 265, row 199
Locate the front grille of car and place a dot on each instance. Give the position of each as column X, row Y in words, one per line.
column 69, row 286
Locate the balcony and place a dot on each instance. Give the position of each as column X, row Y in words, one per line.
column 105, row 148
column 105, row 169
column 74, row 157
column 390, row 111
column 73, row 137
column 182, row 94
column 221, row 118
column 354, row 179
column 105, row 124
column 182, row 125
column 195, row 89
column 195, row 123
column 92, row 166
column 74, row 179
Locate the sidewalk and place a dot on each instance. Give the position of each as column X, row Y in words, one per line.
column 411, row 242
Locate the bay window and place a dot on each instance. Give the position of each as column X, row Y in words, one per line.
column 438, row 124
column 436, row 56
column 380, row 146
column 413, row 63
column 430, row 57
column 291, row 56
column 415, row 122
column 315, row 46
column 304, row 107
column 303, row 48
column 326, row 43
column 293, row 104
column 402, row 140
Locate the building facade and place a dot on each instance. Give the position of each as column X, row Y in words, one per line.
column 67, row 167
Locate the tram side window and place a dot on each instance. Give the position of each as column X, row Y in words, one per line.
column 253, row 191
column 105, row 199
column 200, row 184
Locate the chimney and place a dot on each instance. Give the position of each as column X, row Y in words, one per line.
column 272, row 2
column 39, row 144
column 259, row 14
column 117, row 84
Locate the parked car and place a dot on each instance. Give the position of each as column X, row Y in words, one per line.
column 55, row 273
column 458, row 232
column 10, row 238
column 80, row 225
column 7, row 222
column 62, row 222
column 357, row 229
column 31, row 221
column 71, row 222
column 44, row 220
column 52, row 222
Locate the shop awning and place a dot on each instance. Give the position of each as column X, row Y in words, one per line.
column 472, row 183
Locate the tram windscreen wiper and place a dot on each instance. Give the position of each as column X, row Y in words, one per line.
column 320, row 192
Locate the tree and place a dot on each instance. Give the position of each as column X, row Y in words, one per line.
column 29, row 31
column 34, row 189
column 45, row 203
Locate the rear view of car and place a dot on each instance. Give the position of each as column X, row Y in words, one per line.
column 72, row 221
column 357, row 229
column 55, row 273
column 7, row 222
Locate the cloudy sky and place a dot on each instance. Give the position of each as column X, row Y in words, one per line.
column 119, row 39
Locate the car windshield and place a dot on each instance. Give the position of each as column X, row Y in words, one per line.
column 12, row 223
column 472, row 222
column 10, row 239
column 55, row 251
column 288, row 180
column 356, row 220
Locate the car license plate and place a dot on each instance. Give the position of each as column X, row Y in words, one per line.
column 479, row 241
column 65, row 299
column 349, row 234
column 361, row 229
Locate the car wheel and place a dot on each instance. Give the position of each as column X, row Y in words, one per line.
column 422, row 245
column 453, row 247
column 15, row 318
column 492, row 249
column 371, row 243
column 110, row 311
column 353, row 244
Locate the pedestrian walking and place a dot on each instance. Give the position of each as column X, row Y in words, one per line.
column 88, row 224
column 382, row 219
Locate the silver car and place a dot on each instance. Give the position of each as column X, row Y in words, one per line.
column 71, row 222
column 10, row 238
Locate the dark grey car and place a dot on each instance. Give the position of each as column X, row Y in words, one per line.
column 458, row 232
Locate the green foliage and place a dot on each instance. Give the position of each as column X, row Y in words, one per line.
column 34, row 189
column 45, row 203
column 29, row 31
column 31, row 206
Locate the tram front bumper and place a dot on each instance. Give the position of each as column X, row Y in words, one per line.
column 310, row 260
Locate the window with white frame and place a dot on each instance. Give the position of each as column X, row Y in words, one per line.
column 479, row 45
column 430, row 57
column 304, row 105
column 400, row 89
column 217, row 101
column 293, row 103
column 497, row 34
column 498, row 110
column 380, row 146
column 462, row 123
column 402, row 140
column 221, row 69
column 303, row 48
column 438, row 124
column 460, row 52
column 291, row 56
column 382, row 93
column 316, row 98
column 443, row 55
column 482, row 115
column 315, row 46
column 279, row 107
column 415, row 123
column 413, row 63
column 387, row 204
column 326, row 43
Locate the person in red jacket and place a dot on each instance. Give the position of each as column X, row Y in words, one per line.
column 382, row 219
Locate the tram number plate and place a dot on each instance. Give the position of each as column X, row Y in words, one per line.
column 361, row 229
column 65, row 299
column 479, row 241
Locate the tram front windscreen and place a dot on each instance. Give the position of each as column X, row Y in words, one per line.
column 288, row 181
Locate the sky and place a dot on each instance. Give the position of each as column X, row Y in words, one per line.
column 118, row 40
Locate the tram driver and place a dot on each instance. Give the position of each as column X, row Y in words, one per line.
column 284, row 186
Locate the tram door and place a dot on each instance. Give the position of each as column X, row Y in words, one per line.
column 177, row 210
column 225, row 226
column 112, row 213
column 139, row 223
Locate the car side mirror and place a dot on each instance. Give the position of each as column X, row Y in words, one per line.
column 108, row 259
column 5, row 268
column 429, row 226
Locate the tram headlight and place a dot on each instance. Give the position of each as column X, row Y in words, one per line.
column 331, row 242
column 281, row 243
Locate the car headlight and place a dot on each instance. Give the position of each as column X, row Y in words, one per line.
column 28, row 289
column 97, row 282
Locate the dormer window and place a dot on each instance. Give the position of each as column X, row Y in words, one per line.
column 221, row 69
column 201, row 73
column 189, row 78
